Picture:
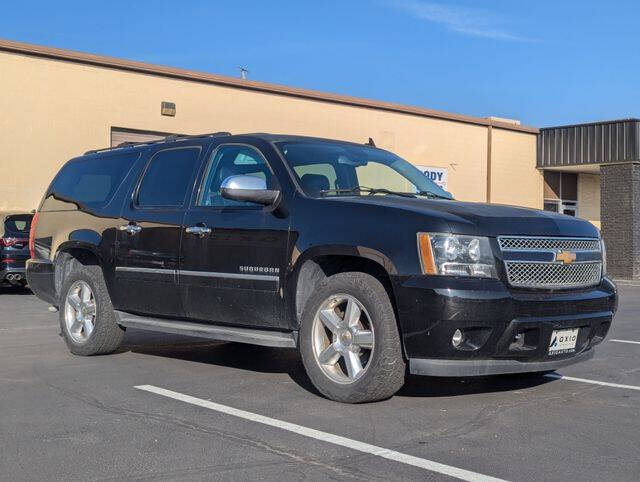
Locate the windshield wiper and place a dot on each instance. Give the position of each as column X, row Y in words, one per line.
column 351, row 190
column 432, row 195
column 369, row 190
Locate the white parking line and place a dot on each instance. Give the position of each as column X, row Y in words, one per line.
column 626, row 282
column 627, row 341
column 324, row 436
column 555, row 376
column 24, row 328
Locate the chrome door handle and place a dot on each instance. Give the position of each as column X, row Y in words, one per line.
column 130, row 228
column 198, row 230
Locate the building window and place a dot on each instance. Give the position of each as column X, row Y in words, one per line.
column 561, row 192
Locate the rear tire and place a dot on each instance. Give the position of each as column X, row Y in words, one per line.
column 349, row 340
column 87, row 320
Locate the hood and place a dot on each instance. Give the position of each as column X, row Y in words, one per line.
column 483, row 219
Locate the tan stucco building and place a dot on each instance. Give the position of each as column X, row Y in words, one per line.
column 58, row 104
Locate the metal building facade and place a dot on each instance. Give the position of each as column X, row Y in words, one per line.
column 608, row 151
column 595, row 143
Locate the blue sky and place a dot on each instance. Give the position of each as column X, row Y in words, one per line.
column 544, row 62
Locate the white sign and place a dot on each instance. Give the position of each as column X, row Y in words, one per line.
column 436, row 174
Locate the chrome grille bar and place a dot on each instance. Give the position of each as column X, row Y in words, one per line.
column 526, row 243
column 555, row 274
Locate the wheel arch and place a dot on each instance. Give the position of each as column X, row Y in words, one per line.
column 71, row 252
column 318, row 263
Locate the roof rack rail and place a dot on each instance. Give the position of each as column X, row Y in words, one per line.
column 122, row 145
column 173, row 137
column 195, row 136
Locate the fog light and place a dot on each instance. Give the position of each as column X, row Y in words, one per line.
column 518, row 342
column 457, row 338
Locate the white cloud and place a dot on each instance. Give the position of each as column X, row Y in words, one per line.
column 472, row 21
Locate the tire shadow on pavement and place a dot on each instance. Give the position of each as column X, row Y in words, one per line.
column 418, row 386
column 15, row 290
column 260, row 359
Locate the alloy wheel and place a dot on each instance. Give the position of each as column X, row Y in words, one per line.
column 343, row 338
column 80, row 311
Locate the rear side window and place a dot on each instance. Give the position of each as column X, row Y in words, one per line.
column 93, row 181
column 166, row 179
column 18, row 224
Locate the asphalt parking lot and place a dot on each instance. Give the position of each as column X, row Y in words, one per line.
column 205, row 410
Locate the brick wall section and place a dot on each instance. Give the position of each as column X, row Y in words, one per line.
column 620, row 217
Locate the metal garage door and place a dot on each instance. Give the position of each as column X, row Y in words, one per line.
column 120, row 135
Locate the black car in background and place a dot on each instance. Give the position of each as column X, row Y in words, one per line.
column 344, row 251
column 14, row 247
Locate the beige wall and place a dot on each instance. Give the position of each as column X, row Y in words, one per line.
column 54, row 110
column 514, row 177
column 589, row 197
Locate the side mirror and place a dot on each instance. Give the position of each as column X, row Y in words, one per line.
column 248, row 188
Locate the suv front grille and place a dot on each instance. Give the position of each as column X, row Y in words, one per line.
column 513, row 243
column 554, row 274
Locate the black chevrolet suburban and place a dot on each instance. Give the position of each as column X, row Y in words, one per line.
column 344, row 251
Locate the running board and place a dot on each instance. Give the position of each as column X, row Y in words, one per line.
column 216, row 332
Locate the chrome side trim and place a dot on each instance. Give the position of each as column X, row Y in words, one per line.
column 132, row 269
column 207, row 274
column 211, row 274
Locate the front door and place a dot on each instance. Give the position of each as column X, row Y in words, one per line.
column 232, row 267
column 149, row 238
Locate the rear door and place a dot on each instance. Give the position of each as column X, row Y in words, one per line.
column 233, row 273
column 149, row 238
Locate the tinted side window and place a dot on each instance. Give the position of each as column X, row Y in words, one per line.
column 232, row 160
column 166, row 179
column 93, row 181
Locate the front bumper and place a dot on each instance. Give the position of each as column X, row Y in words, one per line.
column 477, row 368
column 431, row 309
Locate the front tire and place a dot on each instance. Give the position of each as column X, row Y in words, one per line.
column 349, row 340
column 87, row 319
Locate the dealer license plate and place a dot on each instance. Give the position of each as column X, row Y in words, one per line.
column 563, row 341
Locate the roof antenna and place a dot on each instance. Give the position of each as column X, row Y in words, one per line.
column 370, row 142
column 243, row 72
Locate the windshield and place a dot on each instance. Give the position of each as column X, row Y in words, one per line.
column 17, row 225
column 336, row 169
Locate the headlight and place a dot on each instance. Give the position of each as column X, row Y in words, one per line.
column 456, row 255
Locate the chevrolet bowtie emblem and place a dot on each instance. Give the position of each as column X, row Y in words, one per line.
column 567, row 257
